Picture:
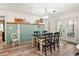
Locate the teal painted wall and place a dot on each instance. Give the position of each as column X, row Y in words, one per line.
column 26, row 31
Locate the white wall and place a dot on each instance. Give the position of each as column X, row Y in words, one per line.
column 9, row 16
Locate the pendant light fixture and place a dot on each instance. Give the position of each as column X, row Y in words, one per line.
column 45, row 16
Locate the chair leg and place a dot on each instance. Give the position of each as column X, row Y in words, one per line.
column 50, row 48
column 35, row 41
column 45, row 52
column 38, row 46
column 54, row 47
column 58, row 45
column 19, row 42
column 13, row 44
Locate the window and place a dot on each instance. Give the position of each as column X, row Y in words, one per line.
column 59, row 27
column 2, row 18
column 1, row 26
column 70, row 28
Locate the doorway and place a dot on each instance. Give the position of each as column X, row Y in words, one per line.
column 2, row 33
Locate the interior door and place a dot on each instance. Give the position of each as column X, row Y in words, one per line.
column 72, row 30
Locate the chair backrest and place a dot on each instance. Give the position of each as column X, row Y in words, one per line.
column 50, row 35
column 36, row 33
column 56, row 36
column 44, row 31
column 14, row 36
column 47, row 38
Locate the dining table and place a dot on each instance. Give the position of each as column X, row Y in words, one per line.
column 40, row 39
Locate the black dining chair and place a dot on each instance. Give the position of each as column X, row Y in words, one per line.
column 47, row 45
column 36, row 34
column 56, row 39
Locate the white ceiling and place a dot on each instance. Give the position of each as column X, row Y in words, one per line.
column 39, row 8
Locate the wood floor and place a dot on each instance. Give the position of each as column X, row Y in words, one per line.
column 66, row 49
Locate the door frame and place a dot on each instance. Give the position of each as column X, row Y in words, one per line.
column 3, row 21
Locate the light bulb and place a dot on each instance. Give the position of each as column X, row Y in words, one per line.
column 45, row 17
